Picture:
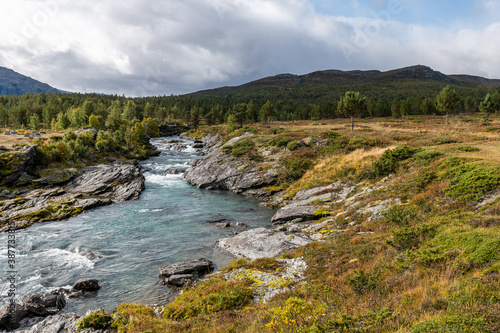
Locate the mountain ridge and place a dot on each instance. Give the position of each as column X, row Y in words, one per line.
column 358, row 78
column 14, row 83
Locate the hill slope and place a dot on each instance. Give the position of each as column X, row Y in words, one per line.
column 13, row 83
column 409, row 81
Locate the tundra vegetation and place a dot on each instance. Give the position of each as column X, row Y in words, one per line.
column 429, row 264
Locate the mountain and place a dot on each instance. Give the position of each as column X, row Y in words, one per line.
column 399, row 83
column 13, row 83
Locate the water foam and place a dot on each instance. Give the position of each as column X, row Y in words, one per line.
column 64, row 259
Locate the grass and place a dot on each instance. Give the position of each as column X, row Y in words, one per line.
column 431, row 264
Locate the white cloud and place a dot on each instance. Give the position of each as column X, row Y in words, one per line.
column 139, row 47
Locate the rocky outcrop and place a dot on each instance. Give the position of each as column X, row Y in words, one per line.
column 178, row 274
column 34, row 306
column 261, row 243
column 21, row 167
column 221, row 171
column 75, row 192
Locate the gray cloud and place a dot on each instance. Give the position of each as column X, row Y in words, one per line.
column 139, row 47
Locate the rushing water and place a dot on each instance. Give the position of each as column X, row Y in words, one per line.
column 122, row 245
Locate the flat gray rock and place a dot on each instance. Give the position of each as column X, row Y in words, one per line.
column 261, row 243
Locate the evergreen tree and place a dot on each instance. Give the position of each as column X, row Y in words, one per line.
column 352, row 104
column 447, row 101
column 240, row 113
column 486, row 106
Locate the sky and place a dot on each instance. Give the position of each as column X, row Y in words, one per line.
column 164, row 47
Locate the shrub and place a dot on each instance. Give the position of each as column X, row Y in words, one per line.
column 444, row 141
column 126, row 313
column 400, row 215
column 292, row 145
column 409, row 238
column 362, row 282
column 298, row 163
column 389, row 161
column 278, row 142
column 99, row 319
column 468, row 148
column 471, row 182
column 240, row 148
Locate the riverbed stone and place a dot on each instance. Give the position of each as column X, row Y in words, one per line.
column 180, row 280
column 198, row 267
column 86, row 285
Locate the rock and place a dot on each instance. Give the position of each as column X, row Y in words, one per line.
column 198, row 145
column 45, row 300
column 23, row 165
column 261, row 243
column 10, row 316
column 63, row 323
column 289, row 213
column 117, row 182
column 197, row 267
column 55, row 176
column 86, row 285
column 223, row 225
column 221, row 171
column 214, row 221
column 91, row 187
column 377, row 209
column 179, row 280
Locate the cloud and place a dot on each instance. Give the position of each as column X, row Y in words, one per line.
column 139, row 47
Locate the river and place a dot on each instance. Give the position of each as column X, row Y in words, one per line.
column 122, row 245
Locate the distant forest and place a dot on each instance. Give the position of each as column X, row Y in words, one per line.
column 244, row 106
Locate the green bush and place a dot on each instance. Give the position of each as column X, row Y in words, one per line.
column 444, row 141
column 292, row 145
column 298, row 163
column 240, row 148
column 362, row 282
column 278, row 142
column 99, row 319
column 410, row 238
column 400, row 215
column 468, row 149
column 389, row 161
column 470, row 182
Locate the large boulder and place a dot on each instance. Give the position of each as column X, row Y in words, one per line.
column 261, row 243
column 117, row 182
column 221, row 171
column 198, row 267
column 86, row 285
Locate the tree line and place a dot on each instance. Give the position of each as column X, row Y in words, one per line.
column 112, row 112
